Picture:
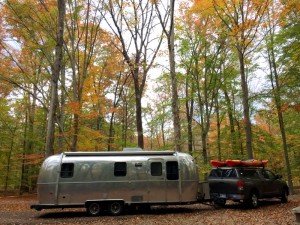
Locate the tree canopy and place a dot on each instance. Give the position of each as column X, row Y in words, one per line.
column 218, row 79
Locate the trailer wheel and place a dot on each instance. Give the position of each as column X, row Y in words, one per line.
column 93, row 208
column 115, row 208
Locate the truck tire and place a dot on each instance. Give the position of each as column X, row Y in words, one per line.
column 115, row 208
column 284, row 196
column 219, row 203
column 94, row 208
column 252, row 201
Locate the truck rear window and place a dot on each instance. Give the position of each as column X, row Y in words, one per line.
column 223, row 173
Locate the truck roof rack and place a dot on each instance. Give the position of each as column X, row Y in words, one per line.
column 119, row 153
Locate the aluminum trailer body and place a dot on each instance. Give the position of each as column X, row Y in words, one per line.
column 112, row 180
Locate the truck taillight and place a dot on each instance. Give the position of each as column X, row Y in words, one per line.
column 240, row 185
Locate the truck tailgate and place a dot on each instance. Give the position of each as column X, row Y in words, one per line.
column 223, row 186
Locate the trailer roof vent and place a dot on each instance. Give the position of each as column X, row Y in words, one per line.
column 132, row 149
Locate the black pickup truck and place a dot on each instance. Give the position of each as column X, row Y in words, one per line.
column 246, row 185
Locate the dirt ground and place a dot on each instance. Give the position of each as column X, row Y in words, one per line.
column 16, row 210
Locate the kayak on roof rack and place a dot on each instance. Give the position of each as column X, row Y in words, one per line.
column 238, row 162
column 217, row 163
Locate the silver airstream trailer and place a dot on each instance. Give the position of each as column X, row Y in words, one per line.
column 113, row 180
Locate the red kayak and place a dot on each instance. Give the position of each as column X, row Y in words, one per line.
column 233, row 162
column 238, row 162
column 254, row 162
column 217, row 163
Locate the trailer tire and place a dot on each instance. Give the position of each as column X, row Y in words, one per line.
column 94, row 208
column 115, row 208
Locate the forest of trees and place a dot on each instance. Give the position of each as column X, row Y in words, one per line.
column 216, row 78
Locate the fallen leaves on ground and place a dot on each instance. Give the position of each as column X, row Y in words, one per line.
column 16, row 210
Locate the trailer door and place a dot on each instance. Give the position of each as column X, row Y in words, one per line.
column 65, row 185
column 173, row 188
column 157, row 181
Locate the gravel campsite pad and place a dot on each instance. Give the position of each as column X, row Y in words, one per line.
column 16, row 210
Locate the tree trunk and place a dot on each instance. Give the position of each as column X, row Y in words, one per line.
column 240, row 137
column 140, row 25
column 246, row 114
column 49, row 148
column 218, row 128
column 8, row 166
column 30, row 142
column 163, row 136
column 276, row 92
column 175, row 107
column 139, row 122
column 204, row 145
column 24, row 170
column 233, row 134
column 111, row 132
column 284, row 142
column 189, row 106
column 61, row 117
column 125, row 124
column 75, row 133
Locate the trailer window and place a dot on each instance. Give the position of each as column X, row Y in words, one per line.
column 172, row 170
column 120, row 169
column 156, row 169
column 67, row 170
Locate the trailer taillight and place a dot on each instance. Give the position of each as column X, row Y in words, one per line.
column 240, row 185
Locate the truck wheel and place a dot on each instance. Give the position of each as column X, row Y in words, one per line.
column 220, row 202
column 115, row 208
column 252, row 201
column 94, row 208
column 284, row 196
